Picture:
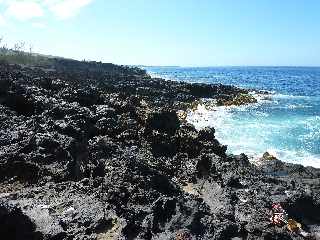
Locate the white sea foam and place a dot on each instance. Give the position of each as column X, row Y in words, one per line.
column 254, row 136
column 285, row 122
column 289, row 96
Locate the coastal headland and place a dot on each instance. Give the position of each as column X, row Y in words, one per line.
column 99, row 151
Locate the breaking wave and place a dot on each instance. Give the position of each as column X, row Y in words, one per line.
column 285, row 122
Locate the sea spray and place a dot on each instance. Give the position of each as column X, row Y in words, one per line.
column 285, row 122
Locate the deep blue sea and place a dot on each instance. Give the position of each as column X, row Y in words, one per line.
column 287, row 124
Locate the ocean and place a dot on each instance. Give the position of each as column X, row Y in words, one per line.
column 286, row 125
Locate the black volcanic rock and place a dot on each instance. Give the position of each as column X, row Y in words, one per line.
column 165, row 121
column 97, row 151
column 16, row 225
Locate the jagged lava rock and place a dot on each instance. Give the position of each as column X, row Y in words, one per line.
column 97, row 151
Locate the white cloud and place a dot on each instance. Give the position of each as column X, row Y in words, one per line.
column 64, row 9
column 24, row 10
column 29, row 9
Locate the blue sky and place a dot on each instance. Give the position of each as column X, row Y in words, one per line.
column 169, row 32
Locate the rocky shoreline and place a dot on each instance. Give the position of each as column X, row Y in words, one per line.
column 100, row 151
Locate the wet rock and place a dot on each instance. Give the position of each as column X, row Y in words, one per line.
column 237, row 100
column 267, row 156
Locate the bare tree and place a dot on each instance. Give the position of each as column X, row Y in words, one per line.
column 19, row 47
column 3, row 46
column 1, row 40
column 30, row 48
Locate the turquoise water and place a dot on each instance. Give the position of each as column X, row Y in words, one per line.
column 287, row 124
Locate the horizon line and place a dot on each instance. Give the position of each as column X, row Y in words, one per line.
column 208, row 66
